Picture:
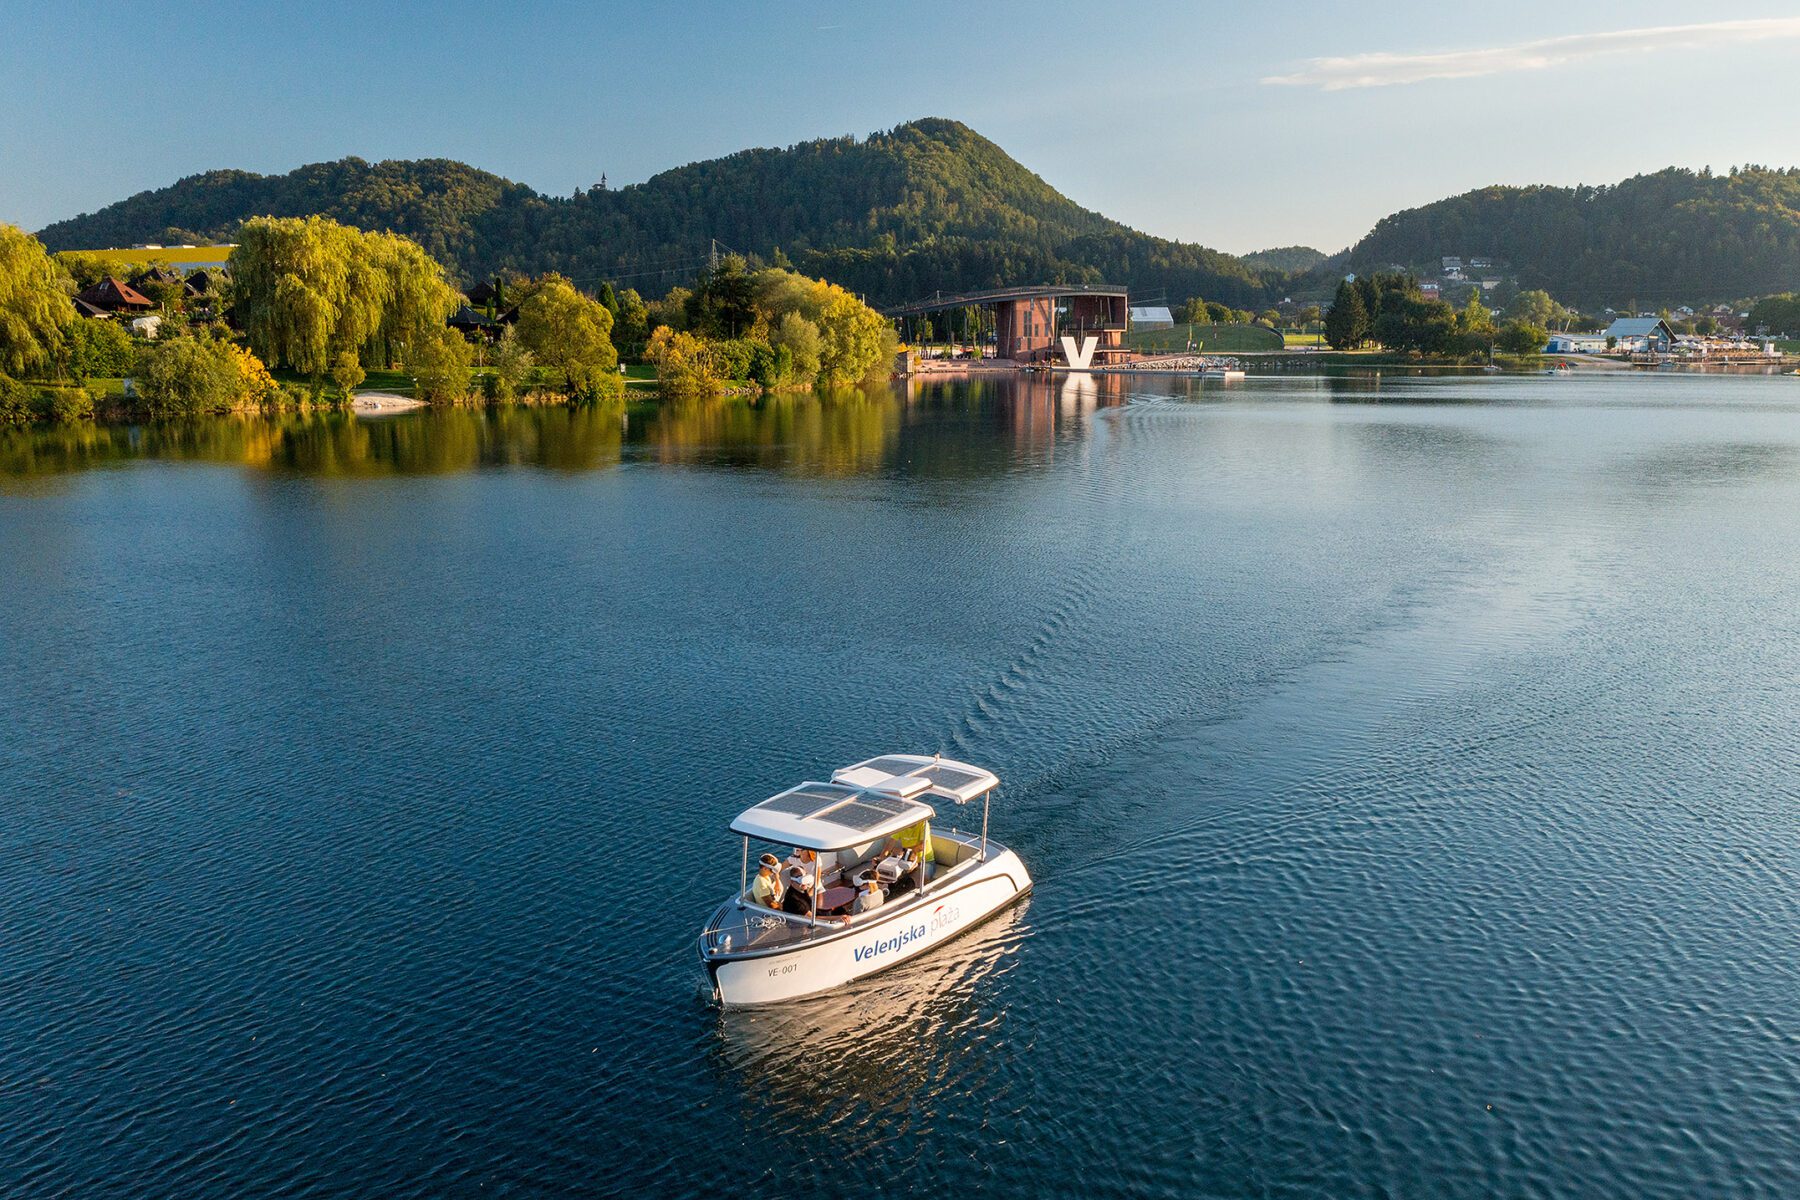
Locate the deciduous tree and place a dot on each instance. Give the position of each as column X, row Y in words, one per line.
column 439, row 363
column 571, row 335
column 34, row 309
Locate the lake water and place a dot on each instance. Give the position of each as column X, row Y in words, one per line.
column 1408, row 767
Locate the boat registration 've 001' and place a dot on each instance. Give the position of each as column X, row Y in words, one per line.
column 870, row 882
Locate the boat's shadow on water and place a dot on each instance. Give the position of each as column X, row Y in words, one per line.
column 868, row 1054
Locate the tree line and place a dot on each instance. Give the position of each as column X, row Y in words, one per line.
column 1391, row 310
column 1672, row 237
column 312, row 306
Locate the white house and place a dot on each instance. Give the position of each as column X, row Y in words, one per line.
column 1576, row 343
column 1156, row 317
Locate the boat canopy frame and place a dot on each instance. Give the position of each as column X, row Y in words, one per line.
column 864, row 803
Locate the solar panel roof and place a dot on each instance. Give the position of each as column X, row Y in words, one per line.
column 958, row 780
column 864, row 802
column 808, row 798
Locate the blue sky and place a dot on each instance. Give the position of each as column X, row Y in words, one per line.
column 1209, row 122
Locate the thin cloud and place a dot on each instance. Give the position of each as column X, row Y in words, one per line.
column 1388, row 70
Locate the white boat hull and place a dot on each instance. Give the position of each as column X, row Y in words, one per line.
column 874, row 942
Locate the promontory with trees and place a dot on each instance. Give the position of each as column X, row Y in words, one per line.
column 311, row 310
column 1391, row 310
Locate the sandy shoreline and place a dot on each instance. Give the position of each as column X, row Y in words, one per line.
column 379, row 403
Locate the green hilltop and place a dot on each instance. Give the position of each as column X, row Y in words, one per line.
column 933, row 206
column 930, row 205
column 1670, row 237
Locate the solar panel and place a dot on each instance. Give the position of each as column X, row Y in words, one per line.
column 859, row 814
column 891, row 765
column 948, row 778
column 808, row 800
column 893, row 806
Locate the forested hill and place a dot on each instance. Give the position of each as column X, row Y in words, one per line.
column 1672, row 237
column 1289, row 259
column 927, row 206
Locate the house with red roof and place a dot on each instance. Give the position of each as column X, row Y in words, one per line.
column 112, row 296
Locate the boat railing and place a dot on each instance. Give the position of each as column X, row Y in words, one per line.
column 739, row 925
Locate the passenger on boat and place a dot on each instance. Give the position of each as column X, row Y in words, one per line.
column 797, row 897
column 766, row 889
column 914, row 845
column 871, row 896
column 807, row 863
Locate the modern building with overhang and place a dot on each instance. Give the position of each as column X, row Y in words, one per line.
column 1077, row 325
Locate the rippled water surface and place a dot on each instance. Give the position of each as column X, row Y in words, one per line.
column 1408, row 767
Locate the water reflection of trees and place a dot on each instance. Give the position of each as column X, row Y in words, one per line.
column 951, row 428
column 335, row 444
column 844, row 433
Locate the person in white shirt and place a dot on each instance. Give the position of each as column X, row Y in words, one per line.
column 871, row 896
column 807, row 863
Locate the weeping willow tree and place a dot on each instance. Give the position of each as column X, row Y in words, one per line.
column 572, row 336
column 310, row 292
column 34, row 309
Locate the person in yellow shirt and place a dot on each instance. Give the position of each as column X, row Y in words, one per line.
column 766, row 888
column 914, row 845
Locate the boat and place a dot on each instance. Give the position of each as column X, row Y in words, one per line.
column 1225, row 368
column 1559, row 369
column 755, row 955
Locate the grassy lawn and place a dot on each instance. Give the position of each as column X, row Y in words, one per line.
column 1212, row 339
column 640, row 375
column 388, row 381
column 101, row 389
column 1289, row 340
column 397, row 382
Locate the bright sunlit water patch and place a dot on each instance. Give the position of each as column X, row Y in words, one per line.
column 1407, row 766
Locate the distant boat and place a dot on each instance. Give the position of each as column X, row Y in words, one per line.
column 1560, row 369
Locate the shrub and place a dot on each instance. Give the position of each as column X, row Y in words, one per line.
column 347, row 372
column 440, row 368
column 771, row 366
column 255, row 384
column 732, row 357
column 15, row 401
column 185, row 377
column 684, row 363
column 68, row 404
column 100, row 350
column 1523, row 337
column 513, row 365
